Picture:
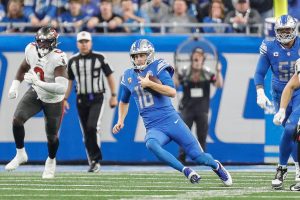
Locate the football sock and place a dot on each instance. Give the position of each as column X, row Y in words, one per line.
column 163, row 155
column 19, row 134
column 52, row 148
column 206, row 159
column 287, row 145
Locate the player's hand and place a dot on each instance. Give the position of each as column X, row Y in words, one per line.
column 145, row 81
column 262, row 100
column 279, row 117
column 66, row 106
column 31, row 77
column 113, row 102
column 13, row 90
column 118, row 127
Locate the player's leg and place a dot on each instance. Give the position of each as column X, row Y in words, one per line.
column 281, row 170
column 155, row 139
column 296, row 187
column 53, row 117
column 188, row 118
column 27, row 107
column 95, row 154
column 202, row 128
column 182, row 135
column 83, row 108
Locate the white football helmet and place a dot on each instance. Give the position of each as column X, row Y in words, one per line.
column 285, row 29
column 142, row 46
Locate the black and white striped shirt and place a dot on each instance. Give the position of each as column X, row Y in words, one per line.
column 88, row 71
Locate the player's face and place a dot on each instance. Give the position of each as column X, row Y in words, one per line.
column 197, row 61
column 84, row 46
column 140, row 59
column 285, row 31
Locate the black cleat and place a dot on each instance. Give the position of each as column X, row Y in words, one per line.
column 277, row 182
column 94, row 167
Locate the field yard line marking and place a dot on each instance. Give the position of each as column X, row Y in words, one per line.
column 102, row 190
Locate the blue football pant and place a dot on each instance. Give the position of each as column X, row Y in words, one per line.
column 176, row 130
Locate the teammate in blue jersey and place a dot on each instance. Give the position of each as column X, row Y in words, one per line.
column 150, row 83
column 280, row 55
column 292, row 85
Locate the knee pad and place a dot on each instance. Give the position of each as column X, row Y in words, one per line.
column 290, row 130
column 151, row 144
column 18, row 122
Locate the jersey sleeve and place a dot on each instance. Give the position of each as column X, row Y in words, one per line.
column 164, row 65
column 71, row 75
column 106, row 68
column 59, row 58
column 165, row 78
column 29, row 51
column 263, row 63
column 261, row 69
column 124, row 91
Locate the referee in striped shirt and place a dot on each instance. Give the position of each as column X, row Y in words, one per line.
column 88, row 68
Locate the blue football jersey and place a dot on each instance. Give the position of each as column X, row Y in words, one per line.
column 152, row 106
column 281, row 60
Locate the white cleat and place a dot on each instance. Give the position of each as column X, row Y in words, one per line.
column 20, row 158
column 50, row 166
column 297, row 177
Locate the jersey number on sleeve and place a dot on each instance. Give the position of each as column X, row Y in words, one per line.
column 145, row 97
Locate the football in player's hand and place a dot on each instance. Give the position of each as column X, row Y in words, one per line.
column 154, row 79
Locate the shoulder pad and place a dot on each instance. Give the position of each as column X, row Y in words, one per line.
column 162, row 64
column 58, row 58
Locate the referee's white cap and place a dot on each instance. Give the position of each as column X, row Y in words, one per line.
column 84, row 35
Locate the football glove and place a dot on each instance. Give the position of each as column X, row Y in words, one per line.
column 279, row 117
column 13, row 90
column 31, row 77
column 262, row 100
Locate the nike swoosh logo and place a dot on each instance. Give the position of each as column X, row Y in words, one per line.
column 176, row 121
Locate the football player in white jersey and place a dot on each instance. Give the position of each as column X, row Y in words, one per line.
column 44, row 67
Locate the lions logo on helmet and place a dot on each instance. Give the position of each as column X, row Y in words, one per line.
column 46, row 40
column 285, row 29
column 142, row 46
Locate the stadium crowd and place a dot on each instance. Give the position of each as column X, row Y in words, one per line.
column 128, row 16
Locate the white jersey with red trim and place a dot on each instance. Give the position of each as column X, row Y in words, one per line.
column 44, row 67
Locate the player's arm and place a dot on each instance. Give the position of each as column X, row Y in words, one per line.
column 167, row 86
column 112, row 86
column 286, row 96
column 123, row 108
column 58, row 87
column 288, row 91
column 13, row 90
column 259, row 77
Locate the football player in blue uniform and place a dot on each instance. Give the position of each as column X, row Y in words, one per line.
column 151, row 85
column 292, row 85
column 280, row 55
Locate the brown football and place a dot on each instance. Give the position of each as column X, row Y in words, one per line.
column 154, row 79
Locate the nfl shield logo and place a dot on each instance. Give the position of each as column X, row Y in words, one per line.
column 129, row 80
column 275, row 54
